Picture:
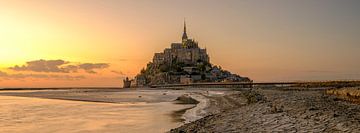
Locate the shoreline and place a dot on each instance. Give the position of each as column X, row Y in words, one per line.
column 190, row 112
column 24, row 114
column 123, row 96
column 198, row 111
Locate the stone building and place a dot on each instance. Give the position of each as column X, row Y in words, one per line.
column 127, row 83
column 187, row 52
column 184, row 63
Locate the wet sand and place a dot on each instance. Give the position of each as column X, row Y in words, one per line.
column 97, row 110
column 77, row 111
column 150, row 110
column 100, row 95
column 20, row 114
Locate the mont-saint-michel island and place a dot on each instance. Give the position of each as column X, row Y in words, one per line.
column 160, row 66
column 183, row 63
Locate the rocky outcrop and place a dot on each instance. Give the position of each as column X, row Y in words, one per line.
column 280, row 111
column 186, row 99
column 184, row 62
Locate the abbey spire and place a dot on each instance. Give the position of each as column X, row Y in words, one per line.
column 184, row 36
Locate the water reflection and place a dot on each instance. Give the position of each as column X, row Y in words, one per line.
column 21, row 114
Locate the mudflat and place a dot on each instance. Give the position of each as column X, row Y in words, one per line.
column 89, row 110
column 100, row 110
column 218, row 110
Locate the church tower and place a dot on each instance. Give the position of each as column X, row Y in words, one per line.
column 184, row 36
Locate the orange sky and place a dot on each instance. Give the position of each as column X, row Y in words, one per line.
column 266, row 41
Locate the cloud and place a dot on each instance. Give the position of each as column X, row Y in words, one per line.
column 123, row 59
column 66, row 77
column 3, row 74
column 89, row 67
column 58, row 66
column 320, row 71
column 39, row 76
column 42, row 66
column 70, row 68
column 118, row 72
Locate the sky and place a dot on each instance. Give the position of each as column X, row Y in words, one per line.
column 96, row 43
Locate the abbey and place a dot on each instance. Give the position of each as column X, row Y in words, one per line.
column 187, row 51
column 183, row 63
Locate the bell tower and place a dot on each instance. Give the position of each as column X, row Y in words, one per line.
column 184, row 36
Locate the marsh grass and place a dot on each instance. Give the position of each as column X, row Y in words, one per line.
column 349, row 94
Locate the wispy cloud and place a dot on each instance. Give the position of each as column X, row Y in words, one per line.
column 39, row 76
column 123, row 59
column 118, row 72
column 319, row 71
column 58, row 66
column 42, row 66
column 3, row 74
column 89, row 67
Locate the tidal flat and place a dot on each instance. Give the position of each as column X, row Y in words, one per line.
column 101, row 109
column 160, row 110
column 90, row 110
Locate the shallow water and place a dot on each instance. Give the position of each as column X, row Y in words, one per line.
column 34, row 115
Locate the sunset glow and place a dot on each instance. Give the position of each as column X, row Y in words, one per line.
column 263, row 40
